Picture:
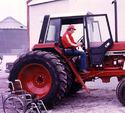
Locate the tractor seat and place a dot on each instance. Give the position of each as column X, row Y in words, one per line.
column 64, row 50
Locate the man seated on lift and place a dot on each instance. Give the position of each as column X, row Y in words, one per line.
column 70, row 48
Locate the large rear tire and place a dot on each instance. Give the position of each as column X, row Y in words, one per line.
column 42, row 74
column 72, row 85
column 120, row 91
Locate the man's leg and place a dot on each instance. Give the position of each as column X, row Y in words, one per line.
column 83, row 63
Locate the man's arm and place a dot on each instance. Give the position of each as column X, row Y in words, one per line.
column 72, row 44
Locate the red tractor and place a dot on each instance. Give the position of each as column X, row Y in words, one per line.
column 50, row 74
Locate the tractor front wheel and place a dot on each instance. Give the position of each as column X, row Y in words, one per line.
column 120, row 91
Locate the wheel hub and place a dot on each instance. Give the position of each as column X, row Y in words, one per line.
column 36, row 79
column 40, row 80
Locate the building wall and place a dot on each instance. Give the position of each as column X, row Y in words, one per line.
column 37, row 13
column 13, row 41
column 74, row 6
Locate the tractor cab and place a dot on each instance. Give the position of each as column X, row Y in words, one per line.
column 92, row 30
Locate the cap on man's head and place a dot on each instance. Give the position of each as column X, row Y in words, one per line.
column 71, row 27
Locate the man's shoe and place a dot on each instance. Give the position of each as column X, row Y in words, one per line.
column 84, row 71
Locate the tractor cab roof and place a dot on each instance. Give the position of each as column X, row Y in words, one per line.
column 73, row 15
column 67, row 15
column 73, row 18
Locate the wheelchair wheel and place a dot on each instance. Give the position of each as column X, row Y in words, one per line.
column 13, row 104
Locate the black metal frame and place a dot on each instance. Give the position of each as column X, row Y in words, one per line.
column 44, row 28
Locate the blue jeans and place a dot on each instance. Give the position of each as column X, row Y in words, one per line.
column 74, row 52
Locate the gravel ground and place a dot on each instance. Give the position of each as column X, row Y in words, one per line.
column 101, row 100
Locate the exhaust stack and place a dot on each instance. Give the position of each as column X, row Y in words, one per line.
column 116, row 20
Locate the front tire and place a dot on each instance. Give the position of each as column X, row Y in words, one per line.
column 120, row 91
column 42, row 74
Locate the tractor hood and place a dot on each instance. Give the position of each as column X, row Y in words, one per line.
column 119, row 46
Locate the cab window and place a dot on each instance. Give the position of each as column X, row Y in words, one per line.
column 97, row 30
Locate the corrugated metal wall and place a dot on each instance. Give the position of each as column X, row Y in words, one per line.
column 13, row 41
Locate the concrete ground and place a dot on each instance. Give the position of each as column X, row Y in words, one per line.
column 101, row 100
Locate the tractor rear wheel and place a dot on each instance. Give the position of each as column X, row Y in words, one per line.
column 120, row 91
column 41, row 73
column 72, row 85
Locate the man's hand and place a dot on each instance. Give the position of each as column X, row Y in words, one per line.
column 79, row 44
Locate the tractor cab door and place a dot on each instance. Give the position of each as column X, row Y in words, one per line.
column 99, row 38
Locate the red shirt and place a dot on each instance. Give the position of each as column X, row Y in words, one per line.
column 65, row 42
